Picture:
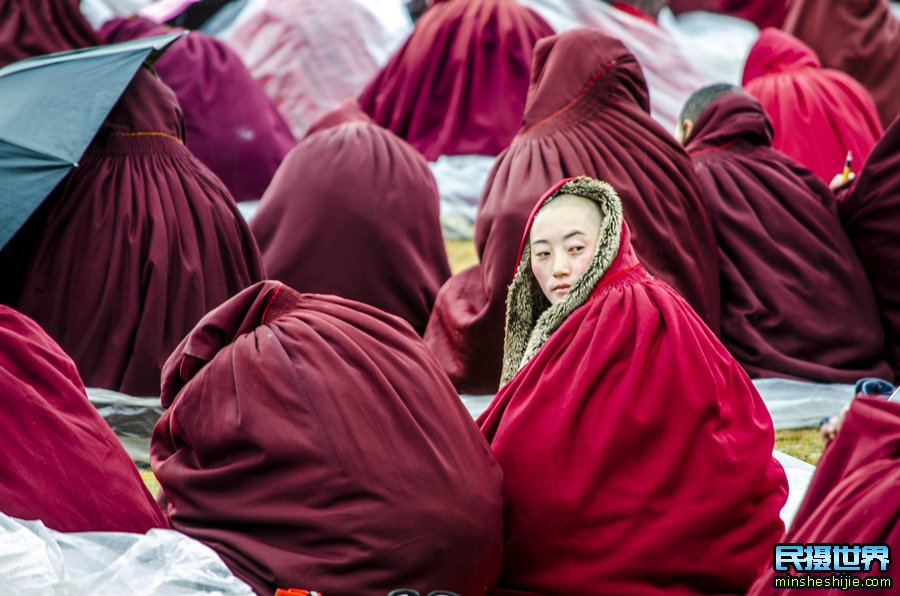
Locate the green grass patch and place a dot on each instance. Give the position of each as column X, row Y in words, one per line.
column 802, row 443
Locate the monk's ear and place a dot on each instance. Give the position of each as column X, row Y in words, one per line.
column 686, row 127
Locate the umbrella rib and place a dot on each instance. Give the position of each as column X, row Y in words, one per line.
column 39, row 152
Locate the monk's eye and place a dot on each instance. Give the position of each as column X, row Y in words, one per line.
column 576, row 250
column 542, row 254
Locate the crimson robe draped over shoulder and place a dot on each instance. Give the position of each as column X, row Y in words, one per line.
column 859, row 37
column 458, row 84
column 636, row 453
column 353, row 211
column 786, row 264
column 852, row 498
column 137, row 243
column 818, row 114
column 314, row 442
column 35, row 27
column 61, row 463
column 587, row 114
column 230, row 124
column 870, row 211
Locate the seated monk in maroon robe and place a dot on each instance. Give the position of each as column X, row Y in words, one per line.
column 587, row 113
column 786, row 266
column 61, row 463
column 870, row 211
column 138, row 242
column 457, row 86
column 354, row 211
column 858, row 37
column 818, row 114
column 315, row 443
column 230, row 124
column 852, row 498
column 636, row 453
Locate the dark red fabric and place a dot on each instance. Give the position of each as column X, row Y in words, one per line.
column 786, row 265
column 586, row 115
column 140, row 242
column 231, row 126
column 870, row 211
column 457, row 86
column 852, row 498
column 859, row 37
column 354, row 211
column 36, row 27
column 315, row 442
column 818, row 114
column 61, row 463
column 636, row 454
column 763, row 13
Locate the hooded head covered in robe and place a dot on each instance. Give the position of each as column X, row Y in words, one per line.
column 231, row 126
column 354, row 211
column 61, row 463
column 314, row 442
column 626, row 434
column 134, row 245
column 818, row 114
column 470, row 59
column 786, row 263
column 587, row 114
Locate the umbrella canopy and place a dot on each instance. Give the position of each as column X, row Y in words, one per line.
column 52, row 107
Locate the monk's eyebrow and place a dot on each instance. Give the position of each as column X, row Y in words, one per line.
column 538, row 241
column 573, row 234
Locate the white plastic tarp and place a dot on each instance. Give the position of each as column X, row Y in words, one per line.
column 459, row 179
column 37, row 560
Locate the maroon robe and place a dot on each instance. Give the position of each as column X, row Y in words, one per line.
column 140, row 242
column 587, row 114
column 354, row 211
column 457, row 86
column 35, row 27
column 859, row 37
column 230, row 124
column 852, row 498
column 636, row 454
column 786, row 265
column 762, row 13
column 61, row 463
column 870, row 211
column 314, row 442
column 818, row 114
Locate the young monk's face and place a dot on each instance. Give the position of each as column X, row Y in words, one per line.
column 563, row 239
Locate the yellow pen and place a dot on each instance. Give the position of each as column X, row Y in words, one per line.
column 847, row 163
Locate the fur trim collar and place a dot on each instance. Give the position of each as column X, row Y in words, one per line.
column 530, row 319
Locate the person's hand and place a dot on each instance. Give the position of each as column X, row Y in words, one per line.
column 838, row 181
column 830, row 427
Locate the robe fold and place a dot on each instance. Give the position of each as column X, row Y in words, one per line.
column 818, row 114
column 61, row 463
column 315, row 443
column 458, row 84
column 353, row 211
column 586, row 115
column 230, row 124
column 786, row 265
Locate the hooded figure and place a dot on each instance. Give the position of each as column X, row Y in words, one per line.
column 586, row 114
column 61, row 463
column 633, row 446
column 852, row 498
column 858, row 37
column 470, row 59
column 353, row 211
column 786, row 264
column 314, row 442
column 136, row 243
column 818, row 114
column 870, row 211
column 230, row 124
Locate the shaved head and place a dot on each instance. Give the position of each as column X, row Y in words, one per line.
column 701, row 98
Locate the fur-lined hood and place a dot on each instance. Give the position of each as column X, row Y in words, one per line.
column 530, row 319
